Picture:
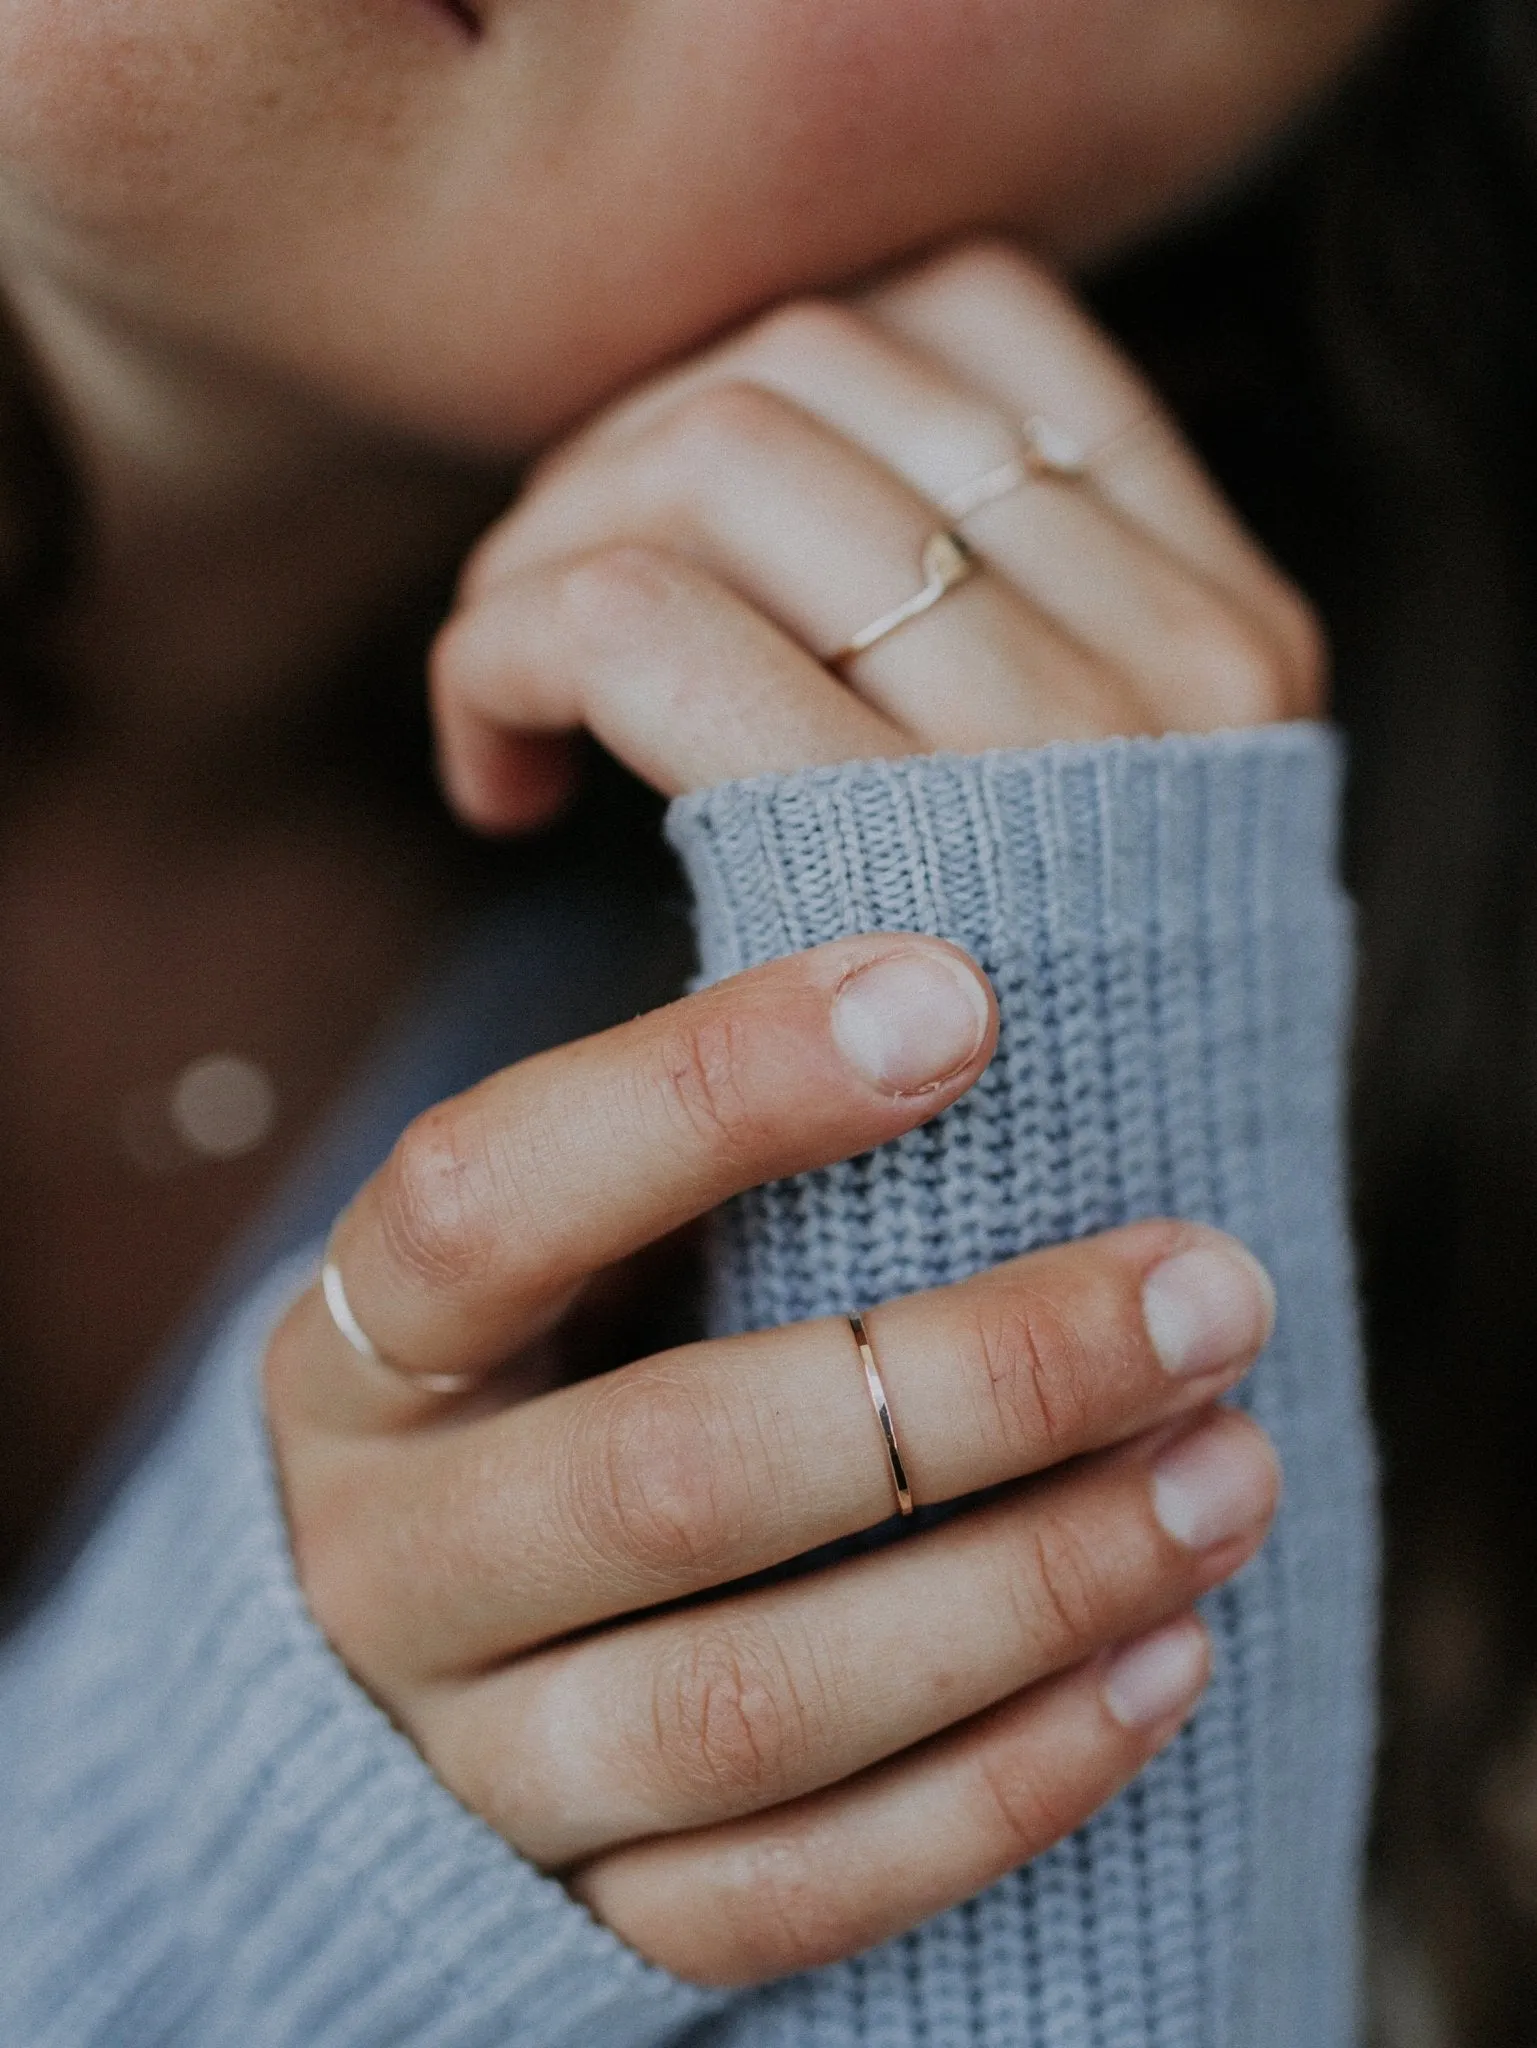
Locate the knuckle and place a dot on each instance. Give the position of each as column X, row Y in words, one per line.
column 1033, row 1371
column 1022, row 1806
column 780, row 1914
column 704, row 1065
column 616, row 594
column 518, row 1768
column 728, row 1720
column 805, row 328
column 1243, row 668
column 720, row 424
column 431, row 1199
column 651, row 1489
column 1062, row 1598
column 981, row 260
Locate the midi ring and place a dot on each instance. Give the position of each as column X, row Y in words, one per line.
column 947, row 562
column 883, row 1412
column 334, row 1291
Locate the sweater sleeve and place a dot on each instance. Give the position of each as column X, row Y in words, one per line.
column 211, row 1836
column 1170, row 951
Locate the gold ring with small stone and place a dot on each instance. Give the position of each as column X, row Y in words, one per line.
column 1046, row 455
column 947, row 562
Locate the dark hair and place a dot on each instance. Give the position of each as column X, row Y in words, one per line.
column 38, row 523
column 1357, row 355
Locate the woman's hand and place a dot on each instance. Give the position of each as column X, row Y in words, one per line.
column 547, row 1593
column 778, row 1775
column 672, row 579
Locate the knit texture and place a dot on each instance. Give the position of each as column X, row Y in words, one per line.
column 1170, row 954
column 213, row 1836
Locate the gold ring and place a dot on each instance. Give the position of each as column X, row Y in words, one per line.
column 1046, row 455
column 947, row 562
column 883, row 1412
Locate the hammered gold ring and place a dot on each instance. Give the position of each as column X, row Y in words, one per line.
column 947, row 562
column 882, row 1408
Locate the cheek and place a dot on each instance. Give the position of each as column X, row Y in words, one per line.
column 819, row 141
column 816, row 137
column 479, row 247
column 100, row 106
column 835, row 136
column 857, row 99
column 574, row 224
column 153, row 117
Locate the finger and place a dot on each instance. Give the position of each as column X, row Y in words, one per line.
column 698, row 1717
column 1193, row 655
column 1197, row 659
column 499, row 781
column 833, row 1874
column 719, row 1460
column 495, row 1206
column 1011, row 330
column 824, row 539
column 673, row 672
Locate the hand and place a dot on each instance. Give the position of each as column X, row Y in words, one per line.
column 671, row 578
column 745, row 1779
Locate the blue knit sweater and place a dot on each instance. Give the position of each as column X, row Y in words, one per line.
column 211, row 1836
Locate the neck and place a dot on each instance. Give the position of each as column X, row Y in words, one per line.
column 238, row 541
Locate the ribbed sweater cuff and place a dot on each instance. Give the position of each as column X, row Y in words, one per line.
column 1143, row 907
column 1170, row 949
column 1072, row 845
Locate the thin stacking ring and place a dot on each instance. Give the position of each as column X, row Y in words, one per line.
column 1046, row 455
column 947, row 562
column 334, row 1289
column 882, row 1411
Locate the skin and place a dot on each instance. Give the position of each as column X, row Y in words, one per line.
column 333, row 242
column 745, row 1790
column 333, row 192
column 304, row 283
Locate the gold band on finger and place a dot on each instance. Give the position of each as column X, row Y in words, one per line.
column 882, row 1411
column 1047, row 454
column 947, row 562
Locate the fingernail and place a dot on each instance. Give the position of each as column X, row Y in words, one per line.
column 910, row 1019
column 1207, row 1307
column 1163, row 1674
column 1214, row 1484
